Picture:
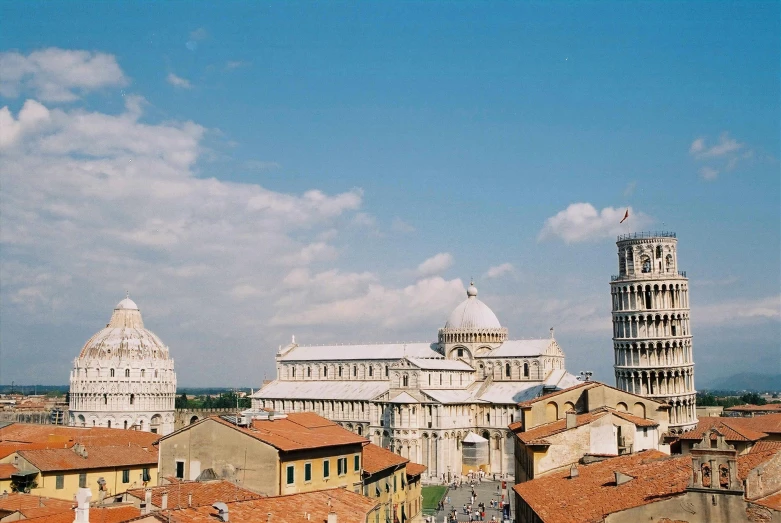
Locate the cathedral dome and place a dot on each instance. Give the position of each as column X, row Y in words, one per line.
column 125, row 337
column 472, row 314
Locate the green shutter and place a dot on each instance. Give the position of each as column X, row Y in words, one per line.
column 291, row 477
column 307, row 472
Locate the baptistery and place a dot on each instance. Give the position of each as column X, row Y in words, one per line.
column 124, row 377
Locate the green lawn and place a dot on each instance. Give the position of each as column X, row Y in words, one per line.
column 432, row 495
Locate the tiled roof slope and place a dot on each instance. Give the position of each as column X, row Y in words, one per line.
column 31, row 506
column 6, row 469
column 376, row 459
column 594, row 494
column 764, row 445
column 537, row 434
column 26, row 436
column 99, row 515
column 770, row 423
column 769, row 407
column 748, row 462
column 204, row 493
column 415, row 469
column 97, row 458
column 300, row 430
column 773, row 501
column 733, row 429
column 348, row 506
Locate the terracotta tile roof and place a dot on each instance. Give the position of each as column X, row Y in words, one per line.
column 770, row 423
column 770, row 407
column 47, row 460
column 585, row 384
column 31, row 506
column 56, row 436
column 300, row 430
column 415, row 469
column 103, row 515
column 594, row 494
column 6, row 469
column 515, row 426
column 537, row 435
column 6, row 449
column 750, row 461
column 764, row 445
column 204, row 493
column 773, row 501
column 733, row 429
column 376, row 459
column 637, row 420
column 348, row 506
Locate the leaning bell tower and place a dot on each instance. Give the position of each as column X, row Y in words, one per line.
column 652, row 338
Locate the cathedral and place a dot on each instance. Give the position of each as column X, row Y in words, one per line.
column 123, row 377
column 444, row 404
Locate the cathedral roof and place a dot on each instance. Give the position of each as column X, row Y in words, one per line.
column 472, row 314
column 125, row 337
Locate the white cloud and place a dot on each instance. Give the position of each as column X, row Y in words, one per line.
column 178, row 81
column 427, row 300
column 116, row 202
column 708, row 173
column 737, row 311
column 436, row 264
column 724, row 155
column 199, row 34
column 582, row 222
column 725, row 146
column 235, row 64
column 57, row 75
column 499, row 270
column 400, row 226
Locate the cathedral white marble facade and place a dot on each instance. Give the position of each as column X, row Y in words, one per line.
column 123, row 377
column 422, row 400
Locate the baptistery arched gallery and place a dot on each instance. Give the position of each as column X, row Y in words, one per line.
column 445, row 404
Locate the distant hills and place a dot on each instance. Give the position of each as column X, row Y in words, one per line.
column 745, row 381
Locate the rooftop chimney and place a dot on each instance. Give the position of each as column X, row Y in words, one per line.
column 268, row 517
column 622, row 478
column 190, row 499
column 332, row 517
column 164, row 501
column 573, row 471
column 83, row 495
column 572, row 419
column 147, row 501
column 222, row 511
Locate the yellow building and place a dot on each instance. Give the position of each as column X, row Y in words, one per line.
column 59, row 473
column 272, row 454
column 394, row 482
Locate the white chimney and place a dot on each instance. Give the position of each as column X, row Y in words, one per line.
column 83, row 496
column 190, row 499
column 573, row 471
column 572, row 419
column 147, row 501
column 164, row 501
column 332, row 517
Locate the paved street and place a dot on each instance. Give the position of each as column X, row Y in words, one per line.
column 485, row 492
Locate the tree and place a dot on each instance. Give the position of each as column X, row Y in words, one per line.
column 753, row 398
column 181, row 402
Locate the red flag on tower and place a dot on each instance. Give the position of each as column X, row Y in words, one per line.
column 626, row 215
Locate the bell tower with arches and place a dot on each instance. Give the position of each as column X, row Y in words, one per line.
column 652, row 338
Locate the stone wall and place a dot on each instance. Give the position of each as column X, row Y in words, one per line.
column 185, row 417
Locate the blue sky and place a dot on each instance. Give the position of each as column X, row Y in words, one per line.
column 296, row 165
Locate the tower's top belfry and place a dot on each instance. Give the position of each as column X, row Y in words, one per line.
column 648, row 255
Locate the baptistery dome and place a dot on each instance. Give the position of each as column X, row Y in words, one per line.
column 124, row 377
